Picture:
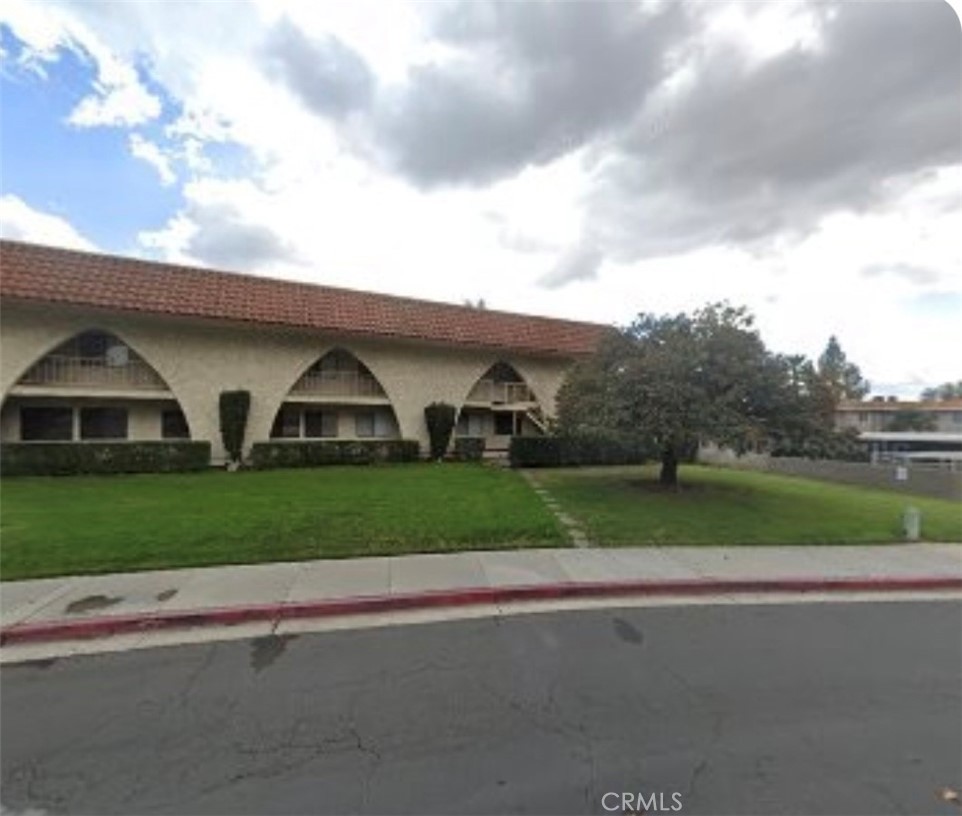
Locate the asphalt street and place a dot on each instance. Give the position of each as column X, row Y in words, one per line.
column 828, row 708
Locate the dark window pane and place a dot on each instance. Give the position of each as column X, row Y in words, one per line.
column 93, row 344
column 103, row 423
column 48, row 423
column 287, row 424
column 173, row 424
column 320, row 424
column 364, row 424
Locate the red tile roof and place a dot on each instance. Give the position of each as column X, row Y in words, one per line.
column 45, row 274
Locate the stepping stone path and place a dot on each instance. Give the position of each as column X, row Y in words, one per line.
column 573, row 528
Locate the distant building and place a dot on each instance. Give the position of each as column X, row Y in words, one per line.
column 873, row 418
column 877, row 414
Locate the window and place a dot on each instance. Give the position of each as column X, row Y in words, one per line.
column 374, row 423
column 173, row 424
column 364, row 423
column 103, row 423
column 504, row 424
column 49, row 424
column 287, row 424
column 93, row 344
column 470, row 424
column 320, row 424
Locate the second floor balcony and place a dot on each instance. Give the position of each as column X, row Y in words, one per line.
column 338, row 384
column 490, row 392
column 56, row 370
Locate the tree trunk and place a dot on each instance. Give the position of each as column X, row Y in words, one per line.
column 669, row 467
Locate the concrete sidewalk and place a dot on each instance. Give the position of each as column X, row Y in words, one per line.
column 96, row 606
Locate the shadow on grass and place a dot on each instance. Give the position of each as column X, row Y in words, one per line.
column 683, row 489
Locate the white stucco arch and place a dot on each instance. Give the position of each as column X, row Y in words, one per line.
column 262, row 431
column 45, row 344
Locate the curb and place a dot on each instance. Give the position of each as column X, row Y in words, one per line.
column 108, row 625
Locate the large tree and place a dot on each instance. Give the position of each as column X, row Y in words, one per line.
column 843, row 378
column 677, row 380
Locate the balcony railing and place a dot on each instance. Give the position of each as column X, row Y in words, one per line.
column 92, row 372
column 338, row 384
column 497, row 393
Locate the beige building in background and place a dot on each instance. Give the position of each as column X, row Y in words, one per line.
column 876, row 415
column 103, row 348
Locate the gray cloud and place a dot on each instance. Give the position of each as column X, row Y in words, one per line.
column 223, row 239
column 745, row 153
column 757, row 151
column 580, row 262
column 911, row 272
column 330, row 78
column 533, row 81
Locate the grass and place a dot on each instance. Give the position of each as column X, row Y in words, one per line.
column 625, row 506
column 93, row 524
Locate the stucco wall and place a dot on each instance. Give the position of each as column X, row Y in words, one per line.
column 199, row 359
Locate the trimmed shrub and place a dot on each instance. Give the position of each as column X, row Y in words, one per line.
column 293, row 454
column 234, row 407
column 469, row 448
column 571, row 451
column 440, row 418
column 71, row 458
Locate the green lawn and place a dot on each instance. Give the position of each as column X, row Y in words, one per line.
column 625, row 506
column 71, row 525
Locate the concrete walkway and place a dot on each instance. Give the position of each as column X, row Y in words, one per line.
column 97, row 606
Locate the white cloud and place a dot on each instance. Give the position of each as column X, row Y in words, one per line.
column 154, row 156
column 317, row 207
column 21, row 222
column 117, row 98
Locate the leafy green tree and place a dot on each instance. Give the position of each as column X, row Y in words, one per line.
column 909, row 420
column 843, row 378
column 946, row 391
column 673, row 381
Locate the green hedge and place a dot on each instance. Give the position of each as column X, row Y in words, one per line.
column 70, row 458
column 469, row 448
column 234, row 407
column 568, row 451
column 440, row 418
column 267, row 455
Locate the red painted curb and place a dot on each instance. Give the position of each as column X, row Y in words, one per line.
column 471, row 596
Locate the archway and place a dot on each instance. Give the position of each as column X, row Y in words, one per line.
column 500, row 405
column 336, row 397
column 92, row 386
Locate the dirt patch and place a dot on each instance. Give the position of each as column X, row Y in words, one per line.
column 166, row 595
column 91, row 603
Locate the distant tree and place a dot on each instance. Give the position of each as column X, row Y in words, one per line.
column 946, row 391
column 843, row 379
column 909, row 420
column 672, row 381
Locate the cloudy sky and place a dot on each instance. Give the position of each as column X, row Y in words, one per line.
column 584, row 160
